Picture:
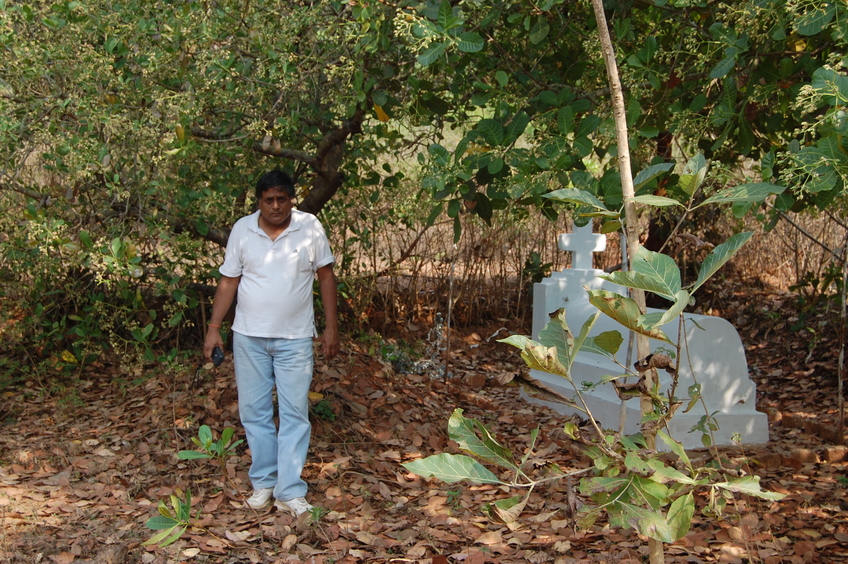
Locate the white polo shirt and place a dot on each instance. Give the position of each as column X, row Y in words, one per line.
column 275, row 291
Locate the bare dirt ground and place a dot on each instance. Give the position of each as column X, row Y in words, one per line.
column 82, row 470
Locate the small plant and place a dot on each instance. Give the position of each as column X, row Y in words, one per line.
column 316, row 513
column 220, row 450
column 324, row 410
column 171, row 521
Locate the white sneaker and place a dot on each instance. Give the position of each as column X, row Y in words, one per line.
column 260, row 498
column 297, row 506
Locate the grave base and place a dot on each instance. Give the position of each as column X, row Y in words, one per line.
column 603, row 402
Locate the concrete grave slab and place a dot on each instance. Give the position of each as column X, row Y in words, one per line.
column 714, row 356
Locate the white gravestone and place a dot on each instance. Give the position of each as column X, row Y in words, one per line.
column 715, row 356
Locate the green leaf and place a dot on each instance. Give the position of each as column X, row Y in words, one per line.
column 452, row 468
column 579, row 197
column 749, row 485
column 648, row 522
column 546, row 359
column 693, row 174
column 492, row 131
column 159, row 538
column 439, row 154
column 160, row 522
column 205, row 435
column 609, row 342
column 723, row 67
column 816, row 20
column 515, row 128
column 623, row 310
column 755, row 192
column 680, row 516
column 192, row 455
column 201, row 226
column 470, row 42
column 432, row 53
column 651, row 172
column 178, row 532
column 473, row 437
column 446, row 19
column 557, row 334
column 660, row 318
column 658, row 201
column 719, row 256
column 831, row 85
column 584, row 332
column 540, row 29
column 664, row 474
column 565, row 120
column 658, row 267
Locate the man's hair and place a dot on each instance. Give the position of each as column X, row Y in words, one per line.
column 275, row 179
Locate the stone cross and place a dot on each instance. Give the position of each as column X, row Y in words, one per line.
column 582, row 242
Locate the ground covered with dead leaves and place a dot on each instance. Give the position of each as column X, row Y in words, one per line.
column 82, row 470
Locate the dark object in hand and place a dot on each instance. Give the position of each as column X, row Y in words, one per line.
column 217, row 356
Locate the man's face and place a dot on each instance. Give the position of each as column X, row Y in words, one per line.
column 275, row 207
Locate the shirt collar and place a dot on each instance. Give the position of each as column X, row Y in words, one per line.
column 294, row 224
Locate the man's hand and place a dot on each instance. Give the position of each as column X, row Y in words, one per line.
column 224, row 295
column 213, row 339
column 330, row 340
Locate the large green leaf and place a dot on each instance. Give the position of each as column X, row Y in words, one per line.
column 492, row 131
column 557, row 334
column 605, row 344
column 432, row 53
column 632, row 279
column 831, row 85
column 623, row 310
column 470, row 42
column 680, row 515
column 649, row 173
column 693, row 174
column 660, row 318
column 648, row 522
column 719, row 256
column 166, row 536
column 749, row 485
column 446, row 19
column 473, row 437
column 160, row 522
column 578, row 197
column 816, row 19
column 539, row 30
column 583, row 336
column 652, row 272
column 659, row 267
column 452, row 468
column 545, row 359
column 658, row 201
column 192, row 455
column 744, row 193
column 537, row 356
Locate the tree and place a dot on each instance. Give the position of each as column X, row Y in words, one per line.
column 130, row 133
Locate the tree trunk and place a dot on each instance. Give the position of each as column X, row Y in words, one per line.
column 631, row 228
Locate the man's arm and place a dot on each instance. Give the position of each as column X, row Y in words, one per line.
column 225, row 293
column 330, row 299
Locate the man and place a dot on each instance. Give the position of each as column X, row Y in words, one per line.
column 271, row 260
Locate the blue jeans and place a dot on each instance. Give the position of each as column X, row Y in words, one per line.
column 278, row 456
